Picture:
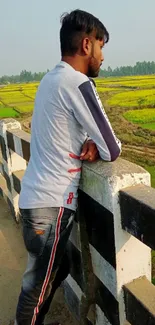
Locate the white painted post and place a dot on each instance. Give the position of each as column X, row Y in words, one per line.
column 11, row 162
column 102, row 183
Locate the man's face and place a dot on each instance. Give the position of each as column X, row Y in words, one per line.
column 96, row 58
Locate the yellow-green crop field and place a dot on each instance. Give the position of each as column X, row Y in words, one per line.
column 134, row 98
column 131, row 108
column 134, row 94
column 144, row 117
column 16, row 100
column 130, row 105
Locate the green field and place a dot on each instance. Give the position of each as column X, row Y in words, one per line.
column 7, row 112
column 149, row 126
column 131, row 110
column 144, row 117
column 128, row 101
column 134, row 98
column 19, row 97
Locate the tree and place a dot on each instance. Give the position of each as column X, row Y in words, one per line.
column 140, row 68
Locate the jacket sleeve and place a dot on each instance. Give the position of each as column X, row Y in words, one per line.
column 88, row 110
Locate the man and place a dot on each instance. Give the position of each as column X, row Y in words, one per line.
column 69, row 125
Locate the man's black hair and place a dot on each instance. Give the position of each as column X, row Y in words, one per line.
column 77, row 25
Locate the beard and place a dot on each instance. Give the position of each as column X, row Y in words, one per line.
column 93, row 68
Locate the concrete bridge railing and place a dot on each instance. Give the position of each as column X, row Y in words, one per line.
column 113, row 234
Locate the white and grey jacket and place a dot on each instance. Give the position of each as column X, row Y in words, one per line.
column 67, row 109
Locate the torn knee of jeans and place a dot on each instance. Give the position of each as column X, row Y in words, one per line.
column 39, row 231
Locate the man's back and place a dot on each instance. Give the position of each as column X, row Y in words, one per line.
column 52, row 176
column 67, row 108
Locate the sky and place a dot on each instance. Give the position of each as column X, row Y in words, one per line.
column 29, row 32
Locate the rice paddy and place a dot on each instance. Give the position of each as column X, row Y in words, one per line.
column 134, row 94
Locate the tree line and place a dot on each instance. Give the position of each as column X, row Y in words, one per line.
column 24, row 76
column 140, row 68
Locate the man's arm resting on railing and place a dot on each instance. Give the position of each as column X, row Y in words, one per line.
column 90, row 113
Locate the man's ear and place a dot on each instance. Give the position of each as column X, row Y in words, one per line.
column 86, row 46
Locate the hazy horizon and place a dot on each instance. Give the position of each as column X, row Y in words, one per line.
column 30, row 32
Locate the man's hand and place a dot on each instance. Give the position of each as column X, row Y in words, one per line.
column 89, row 151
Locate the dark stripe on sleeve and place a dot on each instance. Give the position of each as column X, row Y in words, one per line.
column 91, row 101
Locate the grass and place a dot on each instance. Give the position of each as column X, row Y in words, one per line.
column 143, row 83
column 21, row 97
column 140, row 115
column 129, row 81
column 8, row 112
column 29, row 93
column 151, row 170
column 134, row 98
column 144, row 117
column 107, row 89
column 25, row 107
column 149, row 126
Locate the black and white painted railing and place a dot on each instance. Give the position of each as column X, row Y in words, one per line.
column 113, row 233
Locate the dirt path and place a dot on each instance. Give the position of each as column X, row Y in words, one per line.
column 149, row 151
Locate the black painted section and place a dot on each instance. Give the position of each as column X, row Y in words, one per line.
column 76, row 218
column 107, row 302
column 25, row 149
column 89, row 322
column 76, row 267
column 3, row 148
column 11, row 207
column 100, row 227
column 25, row 142
column 16, row 183
column 137, row 312
column 1, row 192
column 72, row 300
column 10, row 140
column 7, row 178
column 138, row 213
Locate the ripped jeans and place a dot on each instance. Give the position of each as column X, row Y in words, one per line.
column 46, row 232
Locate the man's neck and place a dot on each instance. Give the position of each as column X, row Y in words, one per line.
column 75, row 62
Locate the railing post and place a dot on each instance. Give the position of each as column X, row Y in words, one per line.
column 11, row 162
column 117, row 258
column 104, row 257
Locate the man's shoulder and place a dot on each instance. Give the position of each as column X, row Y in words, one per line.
column 65, row 77
column 70, row 75
column 76, row 78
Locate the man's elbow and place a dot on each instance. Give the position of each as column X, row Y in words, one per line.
column 115, row 154
column 112, row 153
column 110, row 156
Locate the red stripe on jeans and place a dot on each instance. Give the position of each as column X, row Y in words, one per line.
column 50, row 265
